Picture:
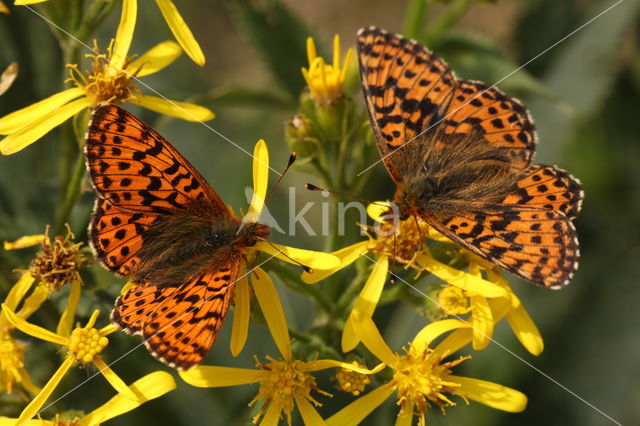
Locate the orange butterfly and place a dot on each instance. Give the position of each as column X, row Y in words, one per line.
column 158, row 221
column 460, row 154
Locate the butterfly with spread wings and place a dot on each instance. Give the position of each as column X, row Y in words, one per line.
column 159, row 222
column 460, row 153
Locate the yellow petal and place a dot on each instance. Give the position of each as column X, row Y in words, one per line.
column 158, row 57
column 183, row 110
column 206, row 376
column 272, row 310
column 316, row 260
column 323, row 364
column 33, row 302
column 24, row 242
column 358, row 410
column 405, row 417
column 312, row 54
column 181, row 31
column 260, row 177
column 4, row 9
column 309, row 415
column 491, row 394
column 272, row 416
column 25, row 382
column 461, row 279
column 149, row 387
column 524, row 327
column 368, row 333
column 481, row 322
column 67, row 318
column 241, row 313
column 27, row 135
column 25, row 2
column 38, row 401
column 18, row 290
column 118, row 384
column 107, row 330
column 31, row 329
column 366, row 302
column 124, row 35
column 6, row 421
column 428, row 334
column 11, row 72
column 22, row 117
column 346, row 256
column 375, row 210
column 454, row 342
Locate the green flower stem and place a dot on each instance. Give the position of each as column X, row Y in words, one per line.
column 314, row 344
column 447, row 21
column 71, row 195
column 414, row 18
column 351, row 292
column 292, row 280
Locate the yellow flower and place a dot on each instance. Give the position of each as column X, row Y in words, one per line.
column 314, row 260
column 176, row 23
column 351, row 381
column 284, row 384
column 111, row 80
column 485, row 312
column 421, row 377
column 404, row 244
column 84, row 345
column 12, row 369
column 4, row 9
column 151, row 386
column 325, row 81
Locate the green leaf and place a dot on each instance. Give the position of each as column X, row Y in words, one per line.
column 246, row 97
column 278, row 36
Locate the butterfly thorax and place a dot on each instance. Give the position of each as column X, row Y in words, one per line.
column 464, row 177
column 180, row 246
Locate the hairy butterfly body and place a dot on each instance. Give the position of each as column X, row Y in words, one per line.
column 159, row 222
column 460, row 153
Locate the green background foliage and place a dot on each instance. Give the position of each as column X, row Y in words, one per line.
column 584, row 95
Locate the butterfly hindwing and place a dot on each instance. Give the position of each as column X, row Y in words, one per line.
column 135, row 168
column 406, row 88
column 116, row 235
column 179, row 323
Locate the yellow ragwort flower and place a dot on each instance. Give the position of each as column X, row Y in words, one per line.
column 84, row 345
column 174, row 20
column 151, row 386
column 421, row 377
column 111, row 80
column 312, row 259
column 486, row 311
column 352, row 381
column 405, row 245
column 326, row 81
column 283, row 384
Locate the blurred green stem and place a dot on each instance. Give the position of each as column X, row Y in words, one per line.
column 71, row 195
column 447, row 21
column 414, row 18
column 292, row 280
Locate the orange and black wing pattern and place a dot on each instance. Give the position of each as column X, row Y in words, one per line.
column 117, row 235
column 530, row 232
column 406, row 87
column 134, row 168
column 179, row 323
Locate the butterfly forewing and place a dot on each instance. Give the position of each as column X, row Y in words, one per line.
column 179, row 323
column 135, row 168
column 435, row 131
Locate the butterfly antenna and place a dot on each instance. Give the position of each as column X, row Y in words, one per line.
column 392, row 280
column 312, row 187
column 306, row 268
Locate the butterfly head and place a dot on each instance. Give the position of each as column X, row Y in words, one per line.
column 250, row 233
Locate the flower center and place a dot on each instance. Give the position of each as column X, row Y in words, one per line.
column 58, row 263
column 86, row 344
column 284, row 382
column 351, row 381
column 420, row 380
column 404, row 240
column 11, row 362
column 105, row 83
column 325, row 81
column 453, row 301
